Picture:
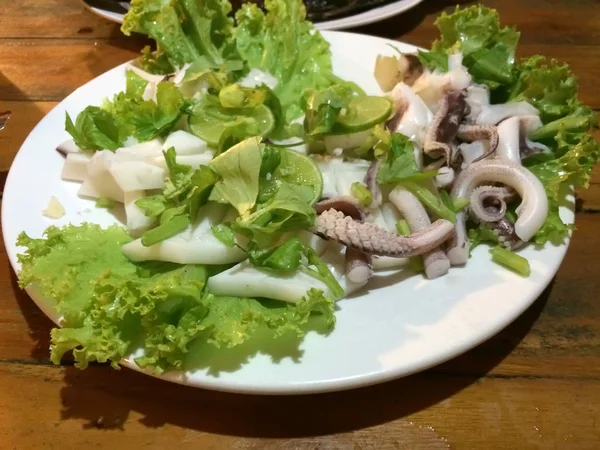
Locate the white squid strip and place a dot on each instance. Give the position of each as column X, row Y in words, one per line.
column 185, row 143
column 142, row 149
column 137, row 221
column 416, row 116
column 245, row 280
column 67, row 147
column 338, row 175
column 100, row 183
column 137, row 175
column 75, row 167
column 145, row 75
column 196, row 245
column 494, row 114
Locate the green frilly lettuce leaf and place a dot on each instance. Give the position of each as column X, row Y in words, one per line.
column 112, row 306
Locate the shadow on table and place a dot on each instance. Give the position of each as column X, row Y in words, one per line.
column 104, row 398
column 401, row 24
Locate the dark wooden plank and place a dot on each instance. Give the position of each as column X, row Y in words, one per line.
column 540, row 21
column 25, row 116
column 53, row 18
column 47, row 407
column 63, row 65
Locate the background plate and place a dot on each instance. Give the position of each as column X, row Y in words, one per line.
column 402, row 325
column 364, row 18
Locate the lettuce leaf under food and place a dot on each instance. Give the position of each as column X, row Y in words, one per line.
column 554, row 229
column 549, row 86
column 112, row 306
column 488, row 48
column 575, row 155
column 282, row 43
column 185, row 30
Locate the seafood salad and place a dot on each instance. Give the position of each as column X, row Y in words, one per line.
column 259, row 187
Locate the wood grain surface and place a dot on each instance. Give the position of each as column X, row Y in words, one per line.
column 536, row 385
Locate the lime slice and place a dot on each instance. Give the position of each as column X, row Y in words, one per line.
column 210, row 122
column 363, row 113
column 299, row 169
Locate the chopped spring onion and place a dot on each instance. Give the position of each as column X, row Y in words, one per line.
column 165, row 230
column 511, row 260
column 416, row 262
column 360, row 192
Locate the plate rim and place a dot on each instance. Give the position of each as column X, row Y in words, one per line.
column 310, row 387
column 367, row 17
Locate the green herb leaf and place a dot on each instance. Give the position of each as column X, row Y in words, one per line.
column 400, row 165
column 95, row 129
column 239, row 169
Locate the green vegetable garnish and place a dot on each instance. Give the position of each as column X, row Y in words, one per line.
column 415, row 262
column 511, row 260
column 169, row 228
column 239, row 169
column 399, row 164
column 360, row 192
column 282, row 43
column 112, row 306
column 95, row 129
column 432, row 203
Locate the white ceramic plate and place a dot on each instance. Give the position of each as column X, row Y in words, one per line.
column 402, row 325
column 363, row 18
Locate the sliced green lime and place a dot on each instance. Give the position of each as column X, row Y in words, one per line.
column 363, row 113
column 210, row 122
column 299, row 169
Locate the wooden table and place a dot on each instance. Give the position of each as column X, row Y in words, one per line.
column 535, row 385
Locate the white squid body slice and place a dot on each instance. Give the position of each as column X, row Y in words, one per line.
column 338, row 175
column 416, row 115
column 245, row 280
column 137, row 175
column 432, row 86
column 137, row 221
column 75, row 168
column 99, row 181
column 68, row 146
column 185, row 143
column 196, row 245
column 142, row 150
column 494, row 114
